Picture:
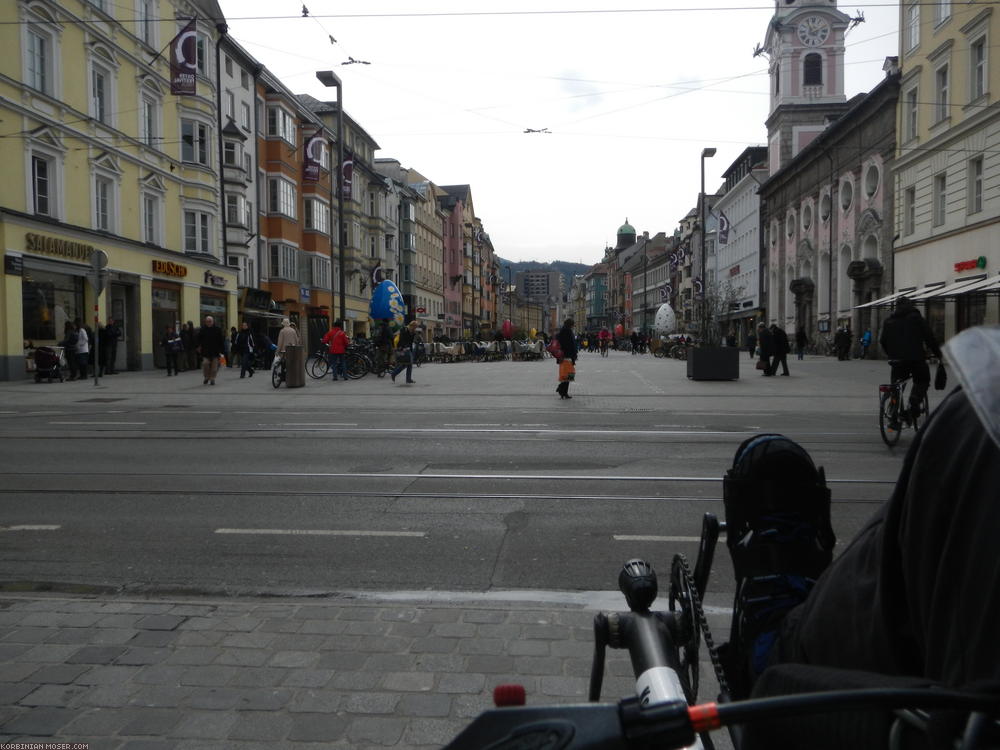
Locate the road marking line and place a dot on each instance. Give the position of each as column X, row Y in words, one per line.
column 100, row 423
column 31, row 527
column 319, row 424
column 651, row 538
column 320, row 532
column 472, row 424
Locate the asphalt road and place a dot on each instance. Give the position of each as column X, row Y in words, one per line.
column 475, row 479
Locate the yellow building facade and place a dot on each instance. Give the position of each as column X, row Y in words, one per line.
column 98, row 154
column 947, row 166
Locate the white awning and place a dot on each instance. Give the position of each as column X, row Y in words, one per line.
column 947, row 289
column 983, row 285
column 884, row 300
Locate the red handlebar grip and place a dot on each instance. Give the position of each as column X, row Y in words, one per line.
column 508, row 695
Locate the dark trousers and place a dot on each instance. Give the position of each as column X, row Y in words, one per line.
column 779, row 359
column 171, row 363
column 246, row 363
column 81, row 363
column 766, row 359
column 919, row 371
column 563, row 388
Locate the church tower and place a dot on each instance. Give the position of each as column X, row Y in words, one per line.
column 805, row 48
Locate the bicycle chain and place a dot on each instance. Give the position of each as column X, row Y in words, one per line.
column 702, row 619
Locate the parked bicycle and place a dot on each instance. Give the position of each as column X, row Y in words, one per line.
column 279, row 371
column 894, row 414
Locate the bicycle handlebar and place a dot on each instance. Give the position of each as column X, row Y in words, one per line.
column 628, row 724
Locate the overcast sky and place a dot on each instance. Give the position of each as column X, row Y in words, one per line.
column 631, row 97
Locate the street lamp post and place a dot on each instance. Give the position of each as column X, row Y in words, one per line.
column 329, row 79
column 474, row 313
column 645, row 260
column 706, row 153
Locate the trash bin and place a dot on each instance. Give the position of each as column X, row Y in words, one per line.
column 295, row 366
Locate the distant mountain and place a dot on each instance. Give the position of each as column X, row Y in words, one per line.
column 567, row 269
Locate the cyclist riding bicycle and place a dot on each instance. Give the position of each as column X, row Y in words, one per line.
column 604, row 339
column 905, row 333
column 912, row 601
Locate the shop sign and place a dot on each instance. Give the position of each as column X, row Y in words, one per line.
column 421, row 310
column 211, row 278
column 37, row 243
column 13, row 265
column 305, row 295
column 168, row 268
column 258, row 299
column 969, row 265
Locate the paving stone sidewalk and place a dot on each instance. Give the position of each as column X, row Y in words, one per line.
column 156, row 674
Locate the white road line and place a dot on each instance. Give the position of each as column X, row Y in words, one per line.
column 471, row 424
column 31, row 527
column 320, row 532
column 101, row 423
column 318, row 424
column 651, row 538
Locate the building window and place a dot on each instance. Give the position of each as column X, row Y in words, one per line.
column 194, row 142
column 975, row 199
column 229, row 65
column 197, row 238
column 42, row 173
column 202, row 55
column 284, row 262
column 321, row 272
column 280, row 124
column 824, row 207
column 872, row 178
column 39, row 64
column 149, row 119
column 245, row 80
column 236, row 210
column 912, row 26
column 317, row 215
column 940, row 198
column 807, row 218
column 245, row 116
column 151, row 219
column 846, row 195
column 910, row 114
column 942, row 11
column 230, row 105
column 977, row 76
column 909, row 210
column 103, row 203
column 145, row 21
column 941, row 85
column 812, row 70
column 281, row 197
column 99, row 92
column 232, row 154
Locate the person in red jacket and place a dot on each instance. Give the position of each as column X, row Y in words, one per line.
column 336, row 342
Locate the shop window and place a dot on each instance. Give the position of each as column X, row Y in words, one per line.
column 48, row 301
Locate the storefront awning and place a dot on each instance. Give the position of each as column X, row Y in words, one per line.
column 989, row 284
column 948, row 290
column 883, row 301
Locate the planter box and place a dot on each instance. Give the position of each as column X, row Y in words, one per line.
column 713, row 363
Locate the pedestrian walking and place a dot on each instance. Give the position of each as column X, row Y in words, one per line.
column 781, row 349
column 210, row 344
column 82, row 344
column 765, row 342
column 866, row 341
column 336, row 342
column 801, row 342
column 190, row 358
column 404, row 352
column 752, row 344
column 112, row 332
column 287, row 336
column 245, row 346
column 69, row 349
column 567, row 363
column 172, row 349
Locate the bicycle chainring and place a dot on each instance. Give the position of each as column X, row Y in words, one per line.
column 683, row 599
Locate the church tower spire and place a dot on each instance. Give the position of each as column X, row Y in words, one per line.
column 805, row 48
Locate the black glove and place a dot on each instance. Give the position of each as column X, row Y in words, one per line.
column 940, row 378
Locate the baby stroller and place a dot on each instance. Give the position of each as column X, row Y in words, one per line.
column 47, row 363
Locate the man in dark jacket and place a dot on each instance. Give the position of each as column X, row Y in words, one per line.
column 567, row 342
column 781, row 348
column 905, row 333
column 210, row 346
column 766, row 344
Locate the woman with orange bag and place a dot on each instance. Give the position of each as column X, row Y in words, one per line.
column 567, row 363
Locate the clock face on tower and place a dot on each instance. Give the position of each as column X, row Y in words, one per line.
column 813, row 31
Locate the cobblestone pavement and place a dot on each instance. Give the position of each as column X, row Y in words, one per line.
column 156, row 674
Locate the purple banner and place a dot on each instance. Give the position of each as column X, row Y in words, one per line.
column 347, row 174
column 184, row 61
column 723, row 229
column 313, row 155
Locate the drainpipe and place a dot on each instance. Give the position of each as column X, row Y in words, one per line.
column 829, row 260
column 222, row 28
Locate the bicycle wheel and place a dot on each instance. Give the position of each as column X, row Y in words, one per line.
column 357, row 365
column 925, row 410
column 888, row 417
column 277, row 374
column 318, row 367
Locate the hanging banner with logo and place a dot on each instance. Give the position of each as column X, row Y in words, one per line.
column 723, row 229
column 313, row 155
column 347, row 174
column 184, row 61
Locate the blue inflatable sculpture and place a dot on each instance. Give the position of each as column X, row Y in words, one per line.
column 387, row 303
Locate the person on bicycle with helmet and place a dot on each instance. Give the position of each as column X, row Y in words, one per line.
column 604, row 338
column 905, row 333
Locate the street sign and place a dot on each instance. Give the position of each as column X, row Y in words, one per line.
column 421, row 310
column 98, row 260
column 98, row 281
